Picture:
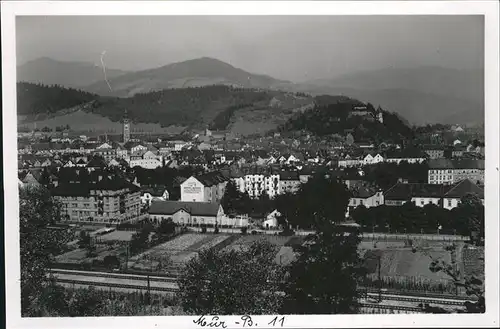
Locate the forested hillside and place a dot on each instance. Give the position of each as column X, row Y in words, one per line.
column 41, row 99
column 188, row 106
column 337, row 118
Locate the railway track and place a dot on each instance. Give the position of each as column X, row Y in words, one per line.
column 114, row 275
column 393, row 307
column 418, row 300
column 115, row 285
column 418, row 294
column 387, row 295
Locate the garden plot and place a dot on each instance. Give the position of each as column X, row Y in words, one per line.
column 246, row 240
column 176, row 251
column 405, row 263
column 209, row 242
column 117, row 236
column 78, row 256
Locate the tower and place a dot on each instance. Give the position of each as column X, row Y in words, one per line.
column 126, row 128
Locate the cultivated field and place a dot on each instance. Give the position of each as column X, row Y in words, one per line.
column 404, row 263
column 176, row 252
column 117, row 236
column 79, row 255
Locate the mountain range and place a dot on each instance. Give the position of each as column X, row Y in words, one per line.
column 69, row 74
column 421, row 95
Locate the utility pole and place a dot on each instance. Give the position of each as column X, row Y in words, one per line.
column 379, row 279
column 149, row 291
column 126, row 259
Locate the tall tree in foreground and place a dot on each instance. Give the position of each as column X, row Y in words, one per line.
column 38, row 244
column 243, row 281
column 325, row 275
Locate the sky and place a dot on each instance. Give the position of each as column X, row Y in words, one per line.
column 296, row 48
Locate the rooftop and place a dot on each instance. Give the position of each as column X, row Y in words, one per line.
column 193, row 208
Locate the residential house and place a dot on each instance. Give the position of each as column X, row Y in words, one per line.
column 145, row 159
column 153, row 193
column 434, row 151
column 271, row 221
column 458, row 190
column 289, row 182
column 364, row 195
column 107, row 153
column 187, row 213
column 446, row 171
column 349, row 161
column 372, row 159
column 408, row 155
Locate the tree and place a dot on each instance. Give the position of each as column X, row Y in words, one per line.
column 232, row 282
column 470, row 217
column 325, row 275
column 140, row 240
column 38, row 243
column 166, row 227
column 319, row 201
column 234, row 201
column 84, row 239
column 111, row 261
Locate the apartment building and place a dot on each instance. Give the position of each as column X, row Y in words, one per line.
column 107, row 200
column 446, row 171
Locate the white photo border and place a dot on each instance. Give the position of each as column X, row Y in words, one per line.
column 489, row 9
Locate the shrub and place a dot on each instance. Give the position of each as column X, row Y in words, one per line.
column 216, row 230
column 243, row 230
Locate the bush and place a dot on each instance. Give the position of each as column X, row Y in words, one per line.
column 244, row 230
column 203, row 229
column 216, row 230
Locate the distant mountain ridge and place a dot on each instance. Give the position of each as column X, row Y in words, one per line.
column 69, row 74
column 192, row 73
column 420, row 95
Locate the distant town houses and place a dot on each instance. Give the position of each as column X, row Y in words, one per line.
column 449, row 171
column 434, row 151
column 422, row 194
column 146, row 159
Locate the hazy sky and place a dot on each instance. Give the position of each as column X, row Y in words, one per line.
column 288, row 47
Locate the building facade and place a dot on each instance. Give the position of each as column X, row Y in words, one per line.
column 445, row 171
column 107, row 201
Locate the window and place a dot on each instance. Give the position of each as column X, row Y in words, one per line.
column 449, row 203
column 361, row 202
column 422, row 202
column 353, row 201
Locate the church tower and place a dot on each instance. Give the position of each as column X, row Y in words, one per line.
column 126, row 128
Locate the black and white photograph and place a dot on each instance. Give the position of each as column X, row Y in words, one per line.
column 183, row 164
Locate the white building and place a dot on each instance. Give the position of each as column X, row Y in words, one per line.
column 150, row 194
column 271, row 220
column 209, row 187
column 372, row 159
column 445, row 171
column 256, row 184
column 187, row 213
column 147, row 160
